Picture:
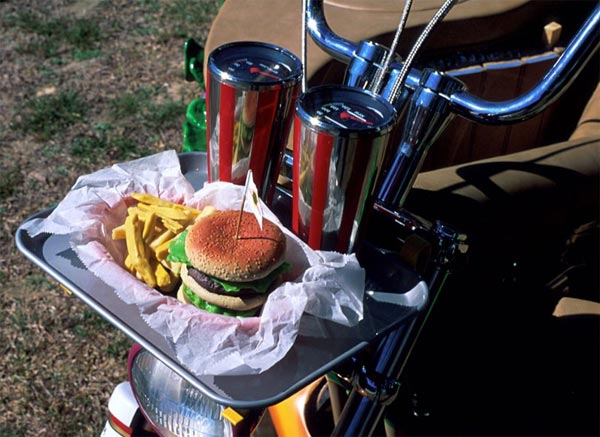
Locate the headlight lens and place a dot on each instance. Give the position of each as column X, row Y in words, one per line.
column 172, row 405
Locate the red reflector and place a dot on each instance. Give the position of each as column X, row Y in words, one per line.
column 120, row 427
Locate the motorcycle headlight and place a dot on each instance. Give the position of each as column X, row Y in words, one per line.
column 172, row 405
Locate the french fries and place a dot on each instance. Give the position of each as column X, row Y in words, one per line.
column 148, row 230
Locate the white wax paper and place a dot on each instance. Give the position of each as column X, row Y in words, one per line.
column 328, row 285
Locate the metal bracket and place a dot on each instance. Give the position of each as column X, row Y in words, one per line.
column 375, row 386
column 451, row 243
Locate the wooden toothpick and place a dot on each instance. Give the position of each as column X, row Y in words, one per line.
column 237, row 232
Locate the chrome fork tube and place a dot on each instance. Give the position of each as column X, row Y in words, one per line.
column 428, row 114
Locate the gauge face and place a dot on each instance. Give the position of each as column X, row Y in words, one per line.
column 345, row 109
column 348, row 115
column 255, row 63
column 258, row 70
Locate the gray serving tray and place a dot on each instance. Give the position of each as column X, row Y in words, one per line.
column 392, row 301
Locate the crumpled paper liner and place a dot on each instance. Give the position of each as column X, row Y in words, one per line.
column 328, row 285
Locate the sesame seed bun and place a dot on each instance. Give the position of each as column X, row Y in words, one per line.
column 212, row 247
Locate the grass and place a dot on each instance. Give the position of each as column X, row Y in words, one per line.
column 130, row 103
column 35, row 334
column 49, row 115
column 139, row 105
column 54, row 32
column 135, row 108
column 185, row 15
column 84, row 55
column 10, row 179
column 104, row 143
column 39, row 281
column 61, row 118
column 165, row 113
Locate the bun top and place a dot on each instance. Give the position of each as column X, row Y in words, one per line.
column 212, row 248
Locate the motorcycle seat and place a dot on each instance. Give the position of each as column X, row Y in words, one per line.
column 525, row 203
column 589, row 122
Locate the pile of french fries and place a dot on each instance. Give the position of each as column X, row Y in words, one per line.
column 148, row 231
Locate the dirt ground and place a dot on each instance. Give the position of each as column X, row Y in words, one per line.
column 83, row 84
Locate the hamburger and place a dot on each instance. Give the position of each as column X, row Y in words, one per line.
column 227, row 275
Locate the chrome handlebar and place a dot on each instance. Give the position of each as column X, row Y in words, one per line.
column 570, row 63
column 556, row 80
column 433, row 98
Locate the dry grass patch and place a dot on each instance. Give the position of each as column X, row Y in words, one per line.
column 84, row 84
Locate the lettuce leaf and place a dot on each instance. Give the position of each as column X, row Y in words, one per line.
column 259, row 285
column 215, row 309
column 177, row 249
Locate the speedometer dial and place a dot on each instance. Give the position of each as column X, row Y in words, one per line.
column 254, row 63
column 345, row 109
